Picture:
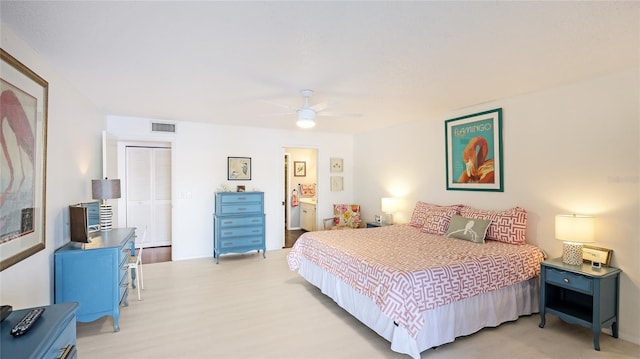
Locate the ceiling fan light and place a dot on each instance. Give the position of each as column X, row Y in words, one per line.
column 305, row 123
column 306, row 118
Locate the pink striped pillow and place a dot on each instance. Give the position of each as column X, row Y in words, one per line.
column 438, row 219
column 508, row 226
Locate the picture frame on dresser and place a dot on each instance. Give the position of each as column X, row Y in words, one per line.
column 473, row 151
column 22, row 161
column 239, row 168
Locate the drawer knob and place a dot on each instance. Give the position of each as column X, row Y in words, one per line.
column 566, row 280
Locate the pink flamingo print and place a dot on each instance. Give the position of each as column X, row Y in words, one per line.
column 11, row 111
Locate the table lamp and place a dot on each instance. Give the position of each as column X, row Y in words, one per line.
column 388, row 205
column 103, row 190
column 574, row 230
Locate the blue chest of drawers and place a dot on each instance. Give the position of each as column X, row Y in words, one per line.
column 238, row 223
column 95, row 274
column 53, row 335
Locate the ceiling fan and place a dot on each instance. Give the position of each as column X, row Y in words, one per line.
column 307, row 114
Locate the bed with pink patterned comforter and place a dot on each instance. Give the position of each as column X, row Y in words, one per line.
column 406, row 271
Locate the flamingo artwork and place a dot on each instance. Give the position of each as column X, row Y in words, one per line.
column 478, row 169
column 18, row 148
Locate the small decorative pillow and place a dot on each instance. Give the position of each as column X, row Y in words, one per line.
column 508, row 226
column 438, row 218
column 470, row 229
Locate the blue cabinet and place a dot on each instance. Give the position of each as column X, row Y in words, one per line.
column 95, row 274
column 53, row 335
column 238, row 223
column 581, row 295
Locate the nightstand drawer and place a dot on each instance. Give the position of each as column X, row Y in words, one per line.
column 569, row 280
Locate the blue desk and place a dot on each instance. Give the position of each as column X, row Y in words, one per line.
column 95, row 274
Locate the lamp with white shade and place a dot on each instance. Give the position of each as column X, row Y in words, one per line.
column 103, row 190
column 388, row 205
column 574, row 230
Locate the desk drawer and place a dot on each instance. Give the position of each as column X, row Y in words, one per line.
column 241, row 221
column 569, row 280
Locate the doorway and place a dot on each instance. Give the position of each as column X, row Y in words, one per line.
column 300, row 174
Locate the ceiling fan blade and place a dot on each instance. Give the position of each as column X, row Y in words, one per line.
column 320, row 106
column 279, row 105
column 278, row 114
column 339, row 114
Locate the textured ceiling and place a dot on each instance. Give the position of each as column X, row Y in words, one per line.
column 392, row 62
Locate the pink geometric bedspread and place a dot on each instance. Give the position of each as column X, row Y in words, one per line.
column 407, row 272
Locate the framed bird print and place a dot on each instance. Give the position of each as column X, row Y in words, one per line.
column 336, row 164
column 239, row 168
column 299, row 168
column 473, row 147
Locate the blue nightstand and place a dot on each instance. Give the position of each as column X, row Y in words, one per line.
column 581, row 295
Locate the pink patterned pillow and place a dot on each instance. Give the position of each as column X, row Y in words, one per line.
column 438, row 219
column 419, row 216
column 508, row 226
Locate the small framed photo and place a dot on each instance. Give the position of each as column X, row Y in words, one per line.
column 337, row 183
column 239, row 168
column 593, row 255
column 299, row 168
column 336, row 164
column 240, row 188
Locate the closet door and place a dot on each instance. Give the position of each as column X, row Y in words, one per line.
column 148, row 186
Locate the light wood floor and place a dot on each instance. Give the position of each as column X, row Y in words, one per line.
column 250, row 307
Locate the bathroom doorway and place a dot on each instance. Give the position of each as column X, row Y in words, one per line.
column 300, row 188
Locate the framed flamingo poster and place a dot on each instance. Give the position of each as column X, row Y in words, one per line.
column 473, row 146
column 23, row 154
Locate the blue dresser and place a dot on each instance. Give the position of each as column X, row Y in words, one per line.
column 238, row 223
column 95, row 274
column 53, row 335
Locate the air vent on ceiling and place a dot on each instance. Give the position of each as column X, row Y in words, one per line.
column 163, row 127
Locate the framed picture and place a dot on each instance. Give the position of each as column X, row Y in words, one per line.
column 337, row 183
column 336, row 164
column 473, row 147
column 239, row 168
column 299, row 169
column 23, row 161
column 596, row 254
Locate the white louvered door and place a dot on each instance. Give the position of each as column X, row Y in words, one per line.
column 148, row 186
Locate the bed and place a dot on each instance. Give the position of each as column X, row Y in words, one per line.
column 420, row 285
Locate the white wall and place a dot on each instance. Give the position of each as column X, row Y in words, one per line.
column 73, row 160
column 199, row 162
column 571, row 149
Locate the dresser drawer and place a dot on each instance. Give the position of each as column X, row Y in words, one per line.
column 240, row 208
column 67, row 337
column 569, row 280
column 241, row 242
column 241, row 232
column 241, row 198
column 241, row 221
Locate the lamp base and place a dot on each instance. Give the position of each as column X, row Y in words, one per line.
column 387, row 218
column 572, row 253
column 106, row 217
